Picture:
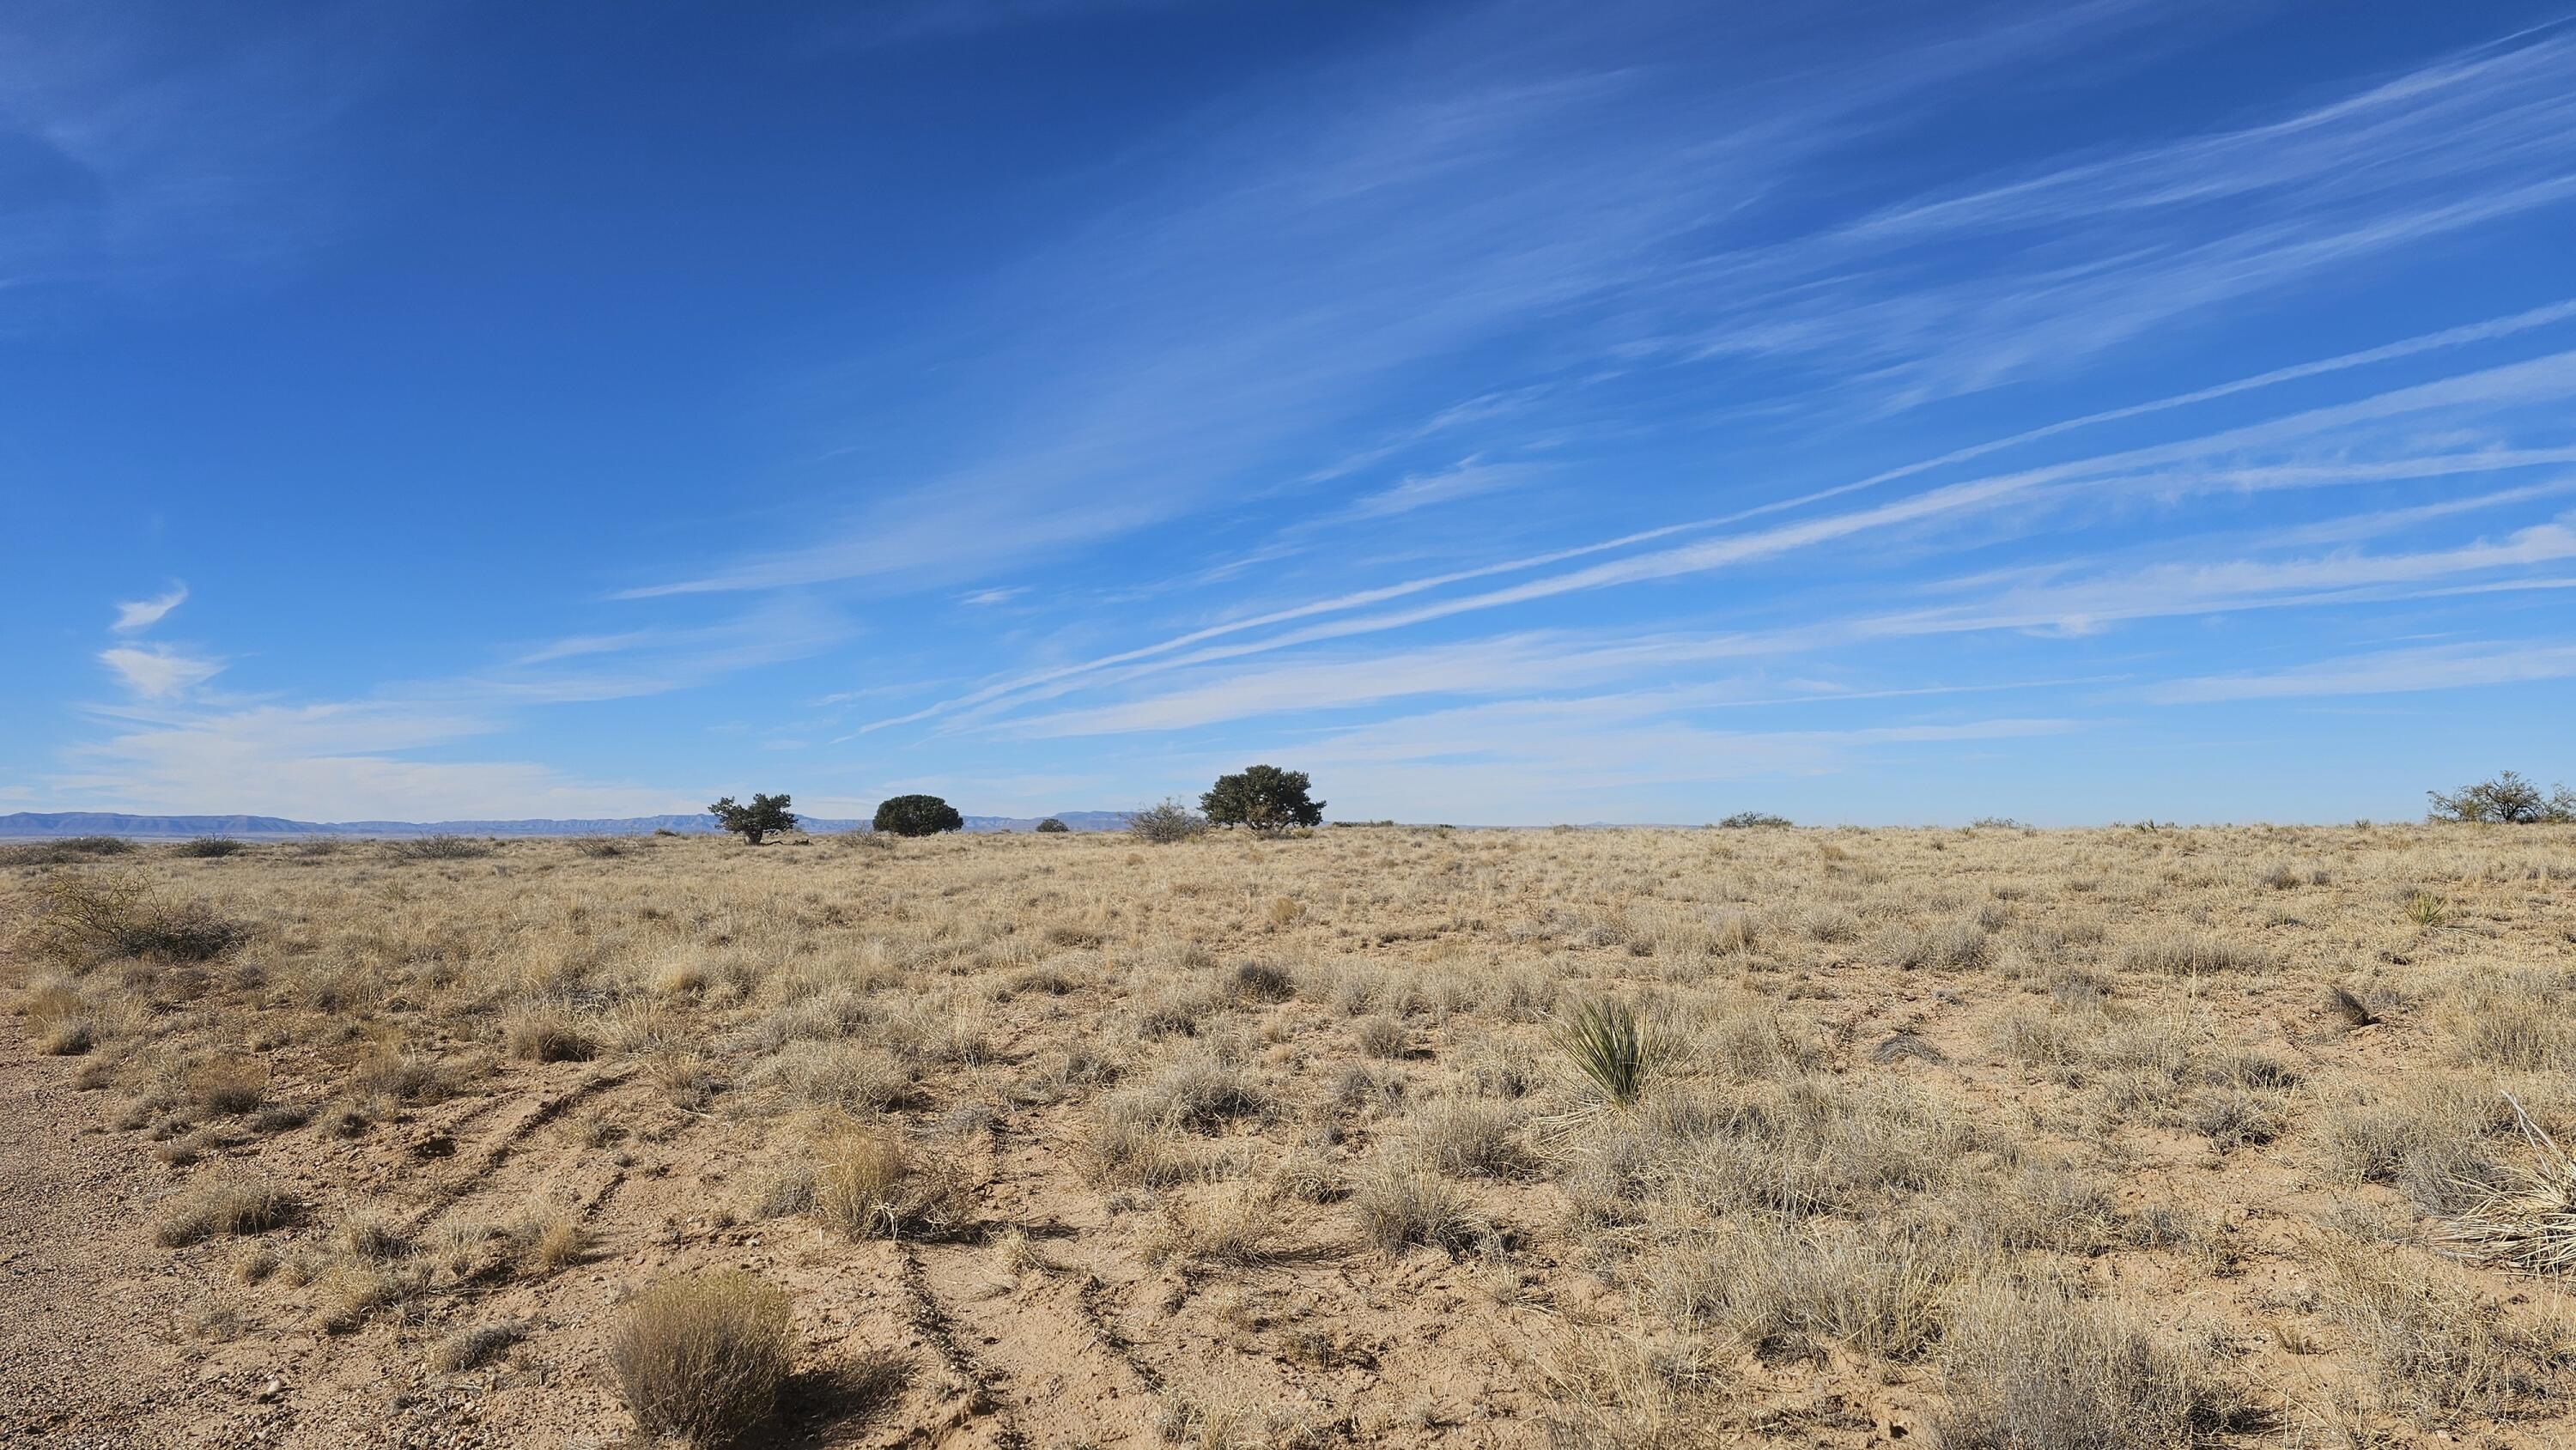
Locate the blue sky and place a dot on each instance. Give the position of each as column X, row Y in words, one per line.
column 1508, row 413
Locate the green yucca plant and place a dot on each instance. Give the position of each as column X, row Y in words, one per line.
column 1610, row 1047
column 2426, row 909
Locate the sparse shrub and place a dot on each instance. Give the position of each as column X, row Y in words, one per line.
column 228, row 1086
column 2187, row 953
column 2507, row 799
column 208, row 847
column 440, row 847
column 2034, row 1369
column 1465, row 1138
column 1753, row 821
column 546, row 1032
column 701, row 1357
column 1399, row 1201
column 1611, row 1048
column 870, row 1183
column 767, row 815
column 1263, row 982
column 475, row 1345
column 81, row 918
column 1166, row 823
column 224, row 1203
column 1381, row 1036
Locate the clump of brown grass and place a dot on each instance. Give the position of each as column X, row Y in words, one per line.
column 220, row 1204
column 546, row 1032
column 701, row 1358
column 2037, row 1369
column 59, row 1022
column 2191, row 953
column 1399, row 1201
column 228, row 1086
column 869, row 1182
column 474, row 1345
column 2438, row 1346
column 849, row 1076
column 2529, row 1221
column 1783, row 1288
column 1233, row 1223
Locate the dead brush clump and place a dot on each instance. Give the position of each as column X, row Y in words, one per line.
column 1796, row 1289
column 2191, row 953
column 1399, row 1201
column 1238, row 1223
column 870, row 1183
column 2528, row 1221
column 2437, row 1346
column 228, row 1087
column 849, row 1076
column 701, row 1358
column 394, row 1076
column 2034, row 1368
column 1472, row 1138
column 82, row 918
column 2521, row 1021
column 227, row 1202
column 59, row 1021
column 2426, row 1138
column 546, row 1032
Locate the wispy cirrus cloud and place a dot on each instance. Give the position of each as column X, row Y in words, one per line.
column 1246, row 300
column 158, row 672
column 2183, row 464
column 2465, row 666
column 141, row 614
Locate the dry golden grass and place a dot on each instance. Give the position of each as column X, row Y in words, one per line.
column 1635, row 1138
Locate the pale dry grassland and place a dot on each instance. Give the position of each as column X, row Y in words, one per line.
column 1999, row 1137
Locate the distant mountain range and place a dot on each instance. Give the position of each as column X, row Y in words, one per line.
column 107, row 823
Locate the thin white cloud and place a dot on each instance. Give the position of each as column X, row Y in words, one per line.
column 157, row 672
column 142, row 614
column 1302, row 251
column 2505, row 385
column 2397, row 671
